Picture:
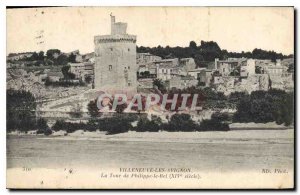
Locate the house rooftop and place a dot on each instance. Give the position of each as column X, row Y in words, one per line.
column 53, row 74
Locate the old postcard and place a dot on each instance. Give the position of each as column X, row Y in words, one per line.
column 150, row 98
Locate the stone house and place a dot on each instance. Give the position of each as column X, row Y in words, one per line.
column 196, row 72
column 55, row 76
column 81, row 70
column 144, row 58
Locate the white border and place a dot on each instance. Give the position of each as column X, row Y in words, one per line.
column 295, row 3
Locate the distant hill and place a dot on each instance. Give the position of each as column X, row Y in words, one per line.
column 208, row 51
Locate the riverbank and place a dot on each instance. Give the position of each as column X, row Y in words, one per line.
column 269, row 130
column 234, row 137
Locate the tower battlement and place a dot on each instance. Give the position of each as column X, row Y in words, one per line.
column 114, row 38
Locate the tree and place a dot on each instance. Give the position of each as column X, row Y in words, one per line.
column 210, row 50
column 65, row 71
column 181, row 122
column 144, row 124
column 72, row 58
column 62, row 59
column 71, row 75
column 34, row 57
column 214, row 124
column 115, row 125
column 88, row 78
column 291, row 67
column 93, row 109
column 120, row 108
column 20, row 110
column 50, row 53
column 193, row 45
column 43, row 127
column 266, row 106
column 41, row 56
column 198, row 58
column 159, row 84
column 259, row 70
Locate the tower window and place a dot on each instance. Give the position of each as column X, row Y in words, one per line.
column 128, row 49
column 111, row 49
column 110, row 67
column 128, row 67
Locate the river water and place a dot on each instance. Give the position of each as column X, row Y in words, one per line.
column 228, row 155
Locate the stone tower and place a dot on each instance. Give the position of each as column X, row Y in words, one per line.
column 115, row 60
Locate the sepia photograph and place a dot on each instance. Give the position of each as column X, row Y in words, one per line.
column 150, row 97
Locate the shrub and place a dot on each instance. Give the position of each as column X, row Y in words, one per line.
column 43, row 127
column 180, row 122
column 68, row 126
column 121, row 108
column 47, row 132
column 144, row 124
column 92, row 125
column 93, row 109
column 59, row 125
column 20, row 110
column 42, row 124
column 220, row 116
column 115, row 125
column 266, row 106
column 213, row 125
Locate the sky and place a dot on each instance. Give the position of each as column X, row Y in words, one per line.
column 233, row 28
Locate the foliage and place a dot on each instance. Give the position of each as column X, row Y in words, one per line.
column 144, row 124
column 291, row 67
column 93, row 109
column 202, row 84
column 266, row 106
column 67, row 74
column 180, row 122
column 88, row 79
column 50, row 53
column 120, row 108
column 115, row 125
column 62, row 59
column 65, row 71
column 92, row 125
column 72, row 58
column 145, row 74
column 43, row 127
column 207, row 98
column 42, row 124
column 47, row 132
column 70, row 127
column 259, row 70
column 220, row 116
column 236, row 96
column 213, row 125
column 160, row 85
column 20, row 110
column 207, row 51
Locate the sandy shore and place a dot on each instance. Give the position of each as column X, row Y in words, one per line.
column 253, row 136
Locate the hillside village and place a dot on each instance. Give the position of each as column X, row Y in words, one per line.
column 64, row 83
column 226, row 76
